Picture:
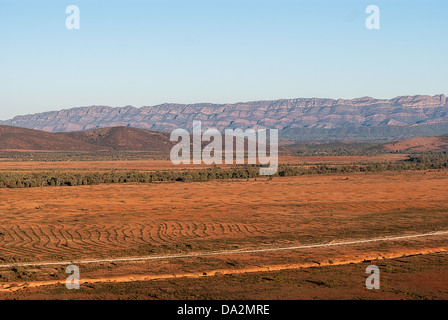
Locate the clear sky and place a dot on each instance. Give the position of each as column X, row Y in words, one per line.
column 220, row 51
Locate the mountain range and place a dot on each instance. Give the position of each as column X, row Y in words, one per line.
column 303, row 119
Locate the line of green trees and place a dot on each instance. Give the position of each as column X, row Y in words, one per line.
column 42, row 179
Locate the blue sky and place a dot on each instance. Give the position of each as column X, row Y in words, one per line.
column 220, row 51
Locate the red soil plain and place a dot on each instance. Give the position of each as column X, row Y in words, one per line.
column 179, row 224
column 151, row 165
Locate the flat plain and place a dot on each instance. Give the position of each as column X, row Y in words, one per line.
column 181, row 223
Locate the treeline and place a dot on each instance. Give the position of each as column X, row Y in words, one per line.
column 432, row 160
column 82, row 156
column 336, row 149
column 42, row 179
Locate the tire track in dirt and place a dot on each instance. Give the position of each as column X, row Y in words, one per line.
column 223, row 253
column 15, row 286
column 65, row 239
